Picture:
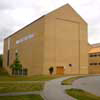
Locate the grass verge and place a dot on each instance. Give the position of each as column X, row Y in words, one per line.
column 26, row 78
column 20, row 87
column 70, row 80
column 26, row 97
column 81, row 94
column 3, row 72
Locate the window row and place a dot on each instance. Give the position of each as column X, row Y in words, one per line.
column 94, row 55
column 25, row 38
column 94, row 63
column 21, row 72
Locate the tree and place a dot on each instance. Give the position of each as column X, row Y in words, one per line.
column 1, row 60
column 16, row 65
column 51, row 69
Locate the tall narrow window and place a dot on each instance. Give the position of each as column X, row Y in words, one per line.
column 8, row 54
column 25, row 72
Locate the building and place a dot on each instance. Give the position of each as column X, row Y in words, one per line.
column 94, row 59
column 58, row 39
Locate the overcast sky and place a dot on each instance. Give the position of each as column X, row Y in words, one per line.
column 15, row 14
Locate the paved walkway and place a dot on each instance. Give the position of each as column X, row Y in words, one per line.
column 19, row 93
column 53, row 90
column 90, row 84
column 22, row 81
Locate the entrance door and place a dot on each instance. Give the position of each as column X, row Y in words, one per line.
column 60, row 70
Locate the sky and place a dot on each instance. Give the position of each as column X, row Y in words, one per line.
column 15, row 14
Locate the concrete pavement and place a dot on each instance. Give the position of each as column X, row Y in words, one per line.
column 90, row 84
column 53, row 90
column 19, row 93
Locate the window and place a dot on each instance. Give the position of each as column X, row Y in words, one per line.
column 24, row 72
column 95, row 55
column 21, row 72
column 8, row 43
column 91, row 55
column 30, row 36
column 8, row 57
column 98, row 54
column 95, row 63
column 91, row 63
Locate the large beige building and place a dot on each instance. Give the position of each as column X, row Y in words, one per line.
column 58, row 39
column 94, row 59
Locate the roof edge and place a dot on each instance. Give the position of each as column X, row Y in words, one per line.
column 24, row 27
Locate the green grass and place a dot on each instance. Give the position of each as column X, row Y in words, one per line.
column 20, row 87
column 71, row 80
column 81, row 94
column 26, row 78
column 26, row 97
column 3, row 72
column 5, row 77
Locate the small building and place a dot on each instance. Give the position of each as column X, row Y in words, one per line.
column 58, row 39
column 94, row 59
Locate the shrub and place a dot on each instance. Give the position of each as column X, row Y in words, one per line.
column 51, row 69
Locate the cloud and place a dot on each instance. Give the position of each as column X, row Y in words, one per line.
column 94, row 38
column 1, row 46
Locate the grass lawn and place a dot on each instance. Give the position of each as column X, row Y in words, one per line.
column 26, row 78
column 26, row 97
column 81, row 94
column 20, row 87
column 70, row 80
column 5, row 77
column 3, row 72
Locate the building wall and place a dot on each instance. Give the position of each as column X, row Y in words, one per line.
column 30, row 51
column 60, row 39
column 65, row 41
column 5, row 56
column 89, row 47
column 94, row 63
column 38, row 48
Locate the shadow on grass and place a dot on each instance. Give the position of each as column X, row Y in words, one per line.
column 81, row 94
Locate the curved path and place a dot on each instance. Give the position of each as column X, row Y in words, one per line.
column 53, row 90
column 19, row 93
column 90, row 84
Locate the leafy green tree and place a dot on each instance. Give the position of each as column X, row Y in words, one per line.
column 1, row 60
column 16, row 65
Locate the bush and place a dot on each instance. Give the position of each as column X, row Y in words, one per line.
column 51, row 69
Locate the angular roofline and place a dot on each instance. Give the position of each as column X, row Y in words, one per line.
column 77, row 13
column 90, row 44
column 96, row 45
column 43, row 16
column 70, row 7
column 25, row 27
column 93, row 48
